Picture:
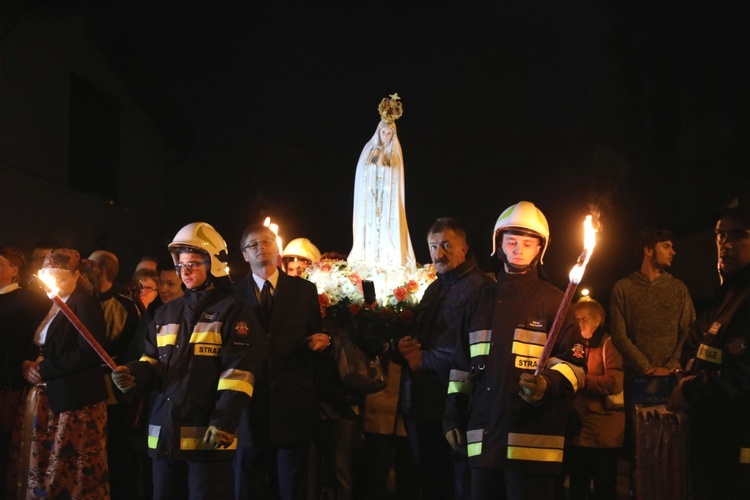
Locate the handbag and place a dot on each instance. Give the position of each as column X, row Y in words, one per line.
column 357, row 371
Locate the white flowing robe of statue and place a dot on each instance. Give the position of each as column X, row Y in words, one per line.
column 381, row 235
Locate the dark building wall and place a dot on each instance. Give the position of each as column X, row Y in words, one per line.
column 107, row 193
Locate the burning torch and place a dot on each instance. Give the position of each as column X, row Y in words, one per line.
column 575, row 276
column 275, row 229
column 49, row 285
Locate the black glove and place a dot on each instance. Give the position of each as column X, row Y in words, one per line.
column 532, row 388
column 457, row 439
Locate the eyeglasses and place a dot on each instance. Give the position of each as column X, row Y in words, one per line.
column 265, row 242
column 147, row 288
column 192, row 265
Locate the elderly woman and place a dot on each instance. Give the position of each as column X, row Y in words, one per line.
column 64, row 443
column 592, row 456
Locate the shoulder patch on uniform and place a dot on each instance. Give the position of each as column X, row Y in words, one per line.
column 209, row 316
column 736, row 346
column 578, row 351
column 241, row 329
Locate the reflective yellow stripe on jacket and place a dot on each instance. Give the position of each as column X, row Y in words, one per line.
column 147, row 359
column 207, row 333
column 191, row 438
column 153, row 436
column 479, row 343
column 575, row 374
column 459, row 382
column 167, row 335
column 537, row 447
column 474, row 442
column 237, row 380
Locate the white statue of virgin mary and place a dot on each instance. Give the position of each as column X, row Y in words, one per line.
column 381, row 235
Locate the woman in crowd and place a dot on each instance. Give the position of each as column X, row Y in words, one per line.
column 63, row 441
column 592, row 456
column 146, row 291
column 20, row 313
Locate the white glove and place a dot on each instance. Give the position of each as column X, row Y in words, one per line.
column 123, row 379
column 217, row 438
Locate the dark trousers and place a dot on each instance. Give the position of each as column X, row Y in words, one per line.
column 379, row 454
column 592, row 465
column 496, row 484
column 180, row 479
column 278, row 472
column 121, row 458
column 443, row 473
column 330, row 467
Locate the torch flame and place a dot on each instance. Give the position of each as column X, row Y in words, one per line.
column 589, row 242
column 48, row 282
column 275, row 229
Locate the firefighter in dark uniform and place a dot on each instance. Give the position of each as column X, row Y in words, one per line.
column 510, row 422
column 715, row 393
column 202, row 355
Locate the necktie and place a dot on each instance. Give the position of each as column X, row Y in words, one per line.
column 265, row 303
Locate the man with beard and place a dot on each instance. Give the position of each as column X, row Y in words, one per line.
column 650, row 310
column 428, row 357
column 716, row 393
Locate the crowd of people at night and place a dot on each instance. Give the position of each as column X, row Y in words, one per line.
column 230, row 389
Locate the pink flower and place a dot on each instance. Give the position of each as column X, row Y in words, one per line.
column 412, row 286
column 400, row 293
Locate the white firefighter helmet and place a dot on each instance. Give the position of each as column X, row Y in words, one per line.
column 202, row 237
column 301, row 248
column 525, row 218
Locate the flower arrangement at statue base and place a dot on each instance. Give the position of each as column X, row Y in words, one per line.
column 371, row 326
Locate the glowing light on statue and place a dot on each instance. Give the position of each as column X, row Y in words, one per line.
column 575, row 276
column 50, row 287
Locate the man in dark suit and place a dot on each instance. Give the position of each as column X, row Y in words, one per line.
column 276, row 428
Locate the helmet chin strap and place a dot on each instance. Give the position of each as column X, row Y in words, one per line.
column 511, row 268
column 518, row 270
column 500, row 263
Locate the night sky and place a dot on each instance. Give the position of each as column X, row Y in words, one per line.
column 640, row 112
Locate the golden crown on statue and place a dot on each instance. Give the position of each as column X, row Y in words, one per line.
column 391, row 109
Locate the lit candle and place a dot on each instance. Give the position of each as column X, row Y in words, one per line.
column 48, row 283
column 575, row 276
